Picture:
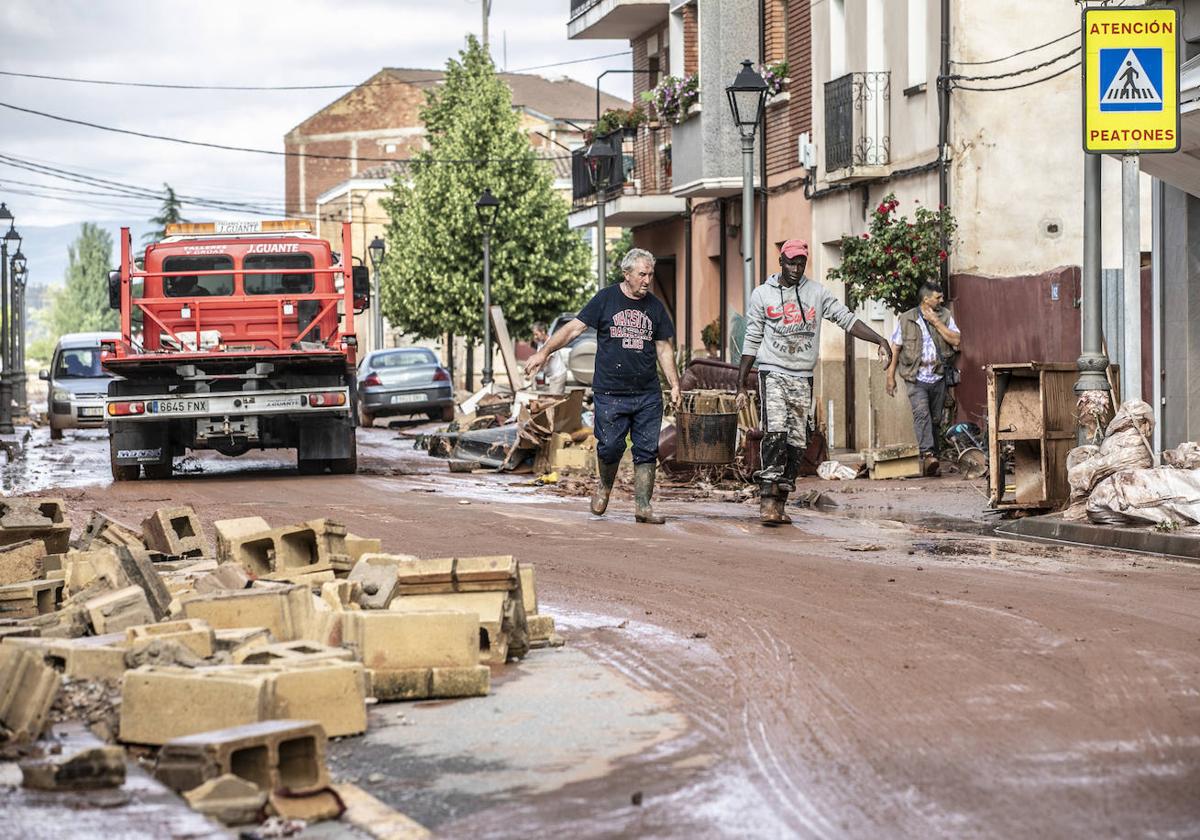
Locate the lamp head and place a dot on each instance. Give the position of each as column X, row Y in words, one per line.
column 747, row 98
column 486, row 207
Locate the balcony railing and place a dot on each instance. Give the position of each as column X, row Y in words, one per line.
column 613, row 172
column 858, row 121
column 578, row 7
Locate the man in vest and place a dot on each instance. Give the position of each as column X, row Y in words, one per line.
column 783, row 339
column 924, row 341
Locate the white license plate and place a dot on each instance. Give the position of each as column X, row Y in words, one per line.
column 408, row 398
column 96, row 411
column 182, row 406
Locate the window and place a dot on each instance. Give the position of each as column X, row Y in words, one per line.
column 403, row 358
column 837, row 38
column 78, row 363
column 917, row 73
column 198, row 286
column 277, row 284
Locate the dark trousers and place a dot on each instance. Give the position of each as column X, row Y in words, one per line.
column 638, row 416
column 927, row 400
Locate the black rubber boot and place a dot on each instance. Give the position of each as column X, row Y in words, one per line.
column 781, row 499
column 643, row 490
column 770, row 509
column 604, row 484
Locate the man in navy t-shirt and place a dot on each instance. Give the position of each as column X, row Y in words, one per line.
column 633, row 336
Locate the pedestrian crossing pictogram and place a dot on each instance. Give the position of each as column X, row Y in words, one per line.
column 1131, row 79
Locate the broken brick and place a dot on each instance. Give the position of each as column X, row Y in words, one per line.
column 88, row 769
column 229, row 799
column 117, row 610
column 103, row 530
column 194, row 634
column 22, row 561
column 268, row 754
column 138, row 568
column 175, row 531
column 35, row 518
column 28, row 687
column 226, row 577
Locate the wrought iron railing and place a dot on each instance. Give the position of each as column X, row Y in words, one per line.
column 612, row 172
column 578, row 7
column 858, row 120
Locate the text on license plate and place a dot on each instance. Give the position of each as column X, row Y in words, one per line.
column 178, row 406
column 91, row 412
column 407, row 398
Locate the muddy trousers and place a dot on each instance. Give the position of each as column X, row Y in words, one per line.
column 638, row 416
column 784, row 402
column 927, row 400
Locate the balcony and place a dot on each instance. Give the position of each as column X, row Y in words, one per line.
column 857, row 127
column 637, row 183
column 620, row 19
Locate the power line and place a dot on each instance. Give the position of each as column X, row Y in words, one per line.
column 1066, row 69
column 1021, row 52
column 1021, row 72
column 168, row 86
column 272, row 152
column 103, row 194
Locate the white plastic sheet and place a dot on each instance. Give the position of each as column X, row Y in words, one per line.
column 1136, row 497
column 835, row 471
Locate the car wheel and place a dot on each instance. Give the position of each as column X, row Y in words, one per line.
column 55, row 434
column 365, row 418
column 448, row 413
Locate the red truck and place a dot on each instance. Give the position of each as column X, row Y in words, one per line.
column 234, row 336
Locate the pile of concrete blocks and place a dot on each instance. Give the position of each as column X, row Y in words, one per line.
column 311, row 552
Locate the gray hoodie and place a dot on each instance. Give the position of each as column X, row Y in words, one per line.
column 783, row 327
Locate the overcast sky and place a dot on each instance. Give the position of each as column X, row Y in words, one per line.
column 264, row 42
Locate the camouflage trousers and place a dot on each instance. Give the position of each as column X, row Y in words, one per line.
column 784, row 402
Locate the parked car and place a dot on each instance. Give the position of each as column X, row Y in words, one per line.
column 403, row 380
column 78, row 384
column 580, row 355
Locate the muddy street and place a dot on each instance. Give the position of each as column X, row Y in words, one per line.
column 882, row 668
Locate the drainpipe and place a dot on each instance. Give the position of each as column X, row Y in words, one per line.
column 943, row 134
column 687, row 277
column 724, row 290
column 763, row 265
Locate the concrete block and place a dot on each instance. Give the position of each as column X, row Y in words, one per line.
column 286, row 611
column 318, row 806
column 311, row 576
column 70, row 622
column 22, row 561
column 541, row 631
column 139, row 569
column 375, row 818
column 226, row 577
column 160, row 704
column 528, row 588
column 430, row 683
column 228, row 799
column 83, row 568
column 357, row 546
column 330, row 692
column 229, row 530
column 233, row 639
column 88, row 769
column 331, row 543
column 35, row 518
column 401, row 640
column 31, row 598
column 341, row 595
column 326, row 627
column 119, row 609
column 494, row 611
column 378, row 577
column 28, row 687
column 86, row 661
column 269, row 755
column 103, row 530
column 53, row 563
column 456, row 574
column 175, row 531
column 193, row 634
column 288, row 653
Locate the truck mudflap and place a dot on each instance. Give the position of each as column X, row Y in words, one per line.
column 156, row 408
column 136, row 444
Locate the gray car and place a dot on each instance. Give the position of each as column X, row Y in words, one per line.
column 403, row 380
column 78, row 384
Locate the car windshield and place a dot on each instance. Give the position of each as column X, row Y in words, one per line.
column 278, row 284
column 78, row 363
column 403, row 358
column 198, row 286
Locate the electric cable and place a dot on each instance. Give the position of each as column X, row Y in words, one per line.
column 1020, row 52
column 1066, row 69
column 1022, row 72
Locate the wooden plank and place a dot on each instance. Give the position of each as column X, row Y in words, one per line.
column 996, row 473
column 1021, row 410
column 516, row 376
column 1028, row 473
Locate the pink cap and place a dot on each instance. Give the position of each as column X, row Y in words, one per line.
column 794, row 248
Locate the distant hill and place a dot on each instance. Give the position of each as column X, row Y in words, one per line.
column 45, row 248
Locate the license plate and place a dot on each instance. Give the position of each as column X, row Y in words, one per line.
column 91, row 412
column 408, row 398
column 179, row 406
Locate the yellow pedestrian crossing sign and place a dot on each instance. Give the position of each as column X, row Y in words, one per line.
column 1130, row 80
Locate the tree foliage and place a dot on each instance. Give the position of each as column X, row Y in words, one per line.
column 889, row 262
column 169, row 214
column 432, row 281
column 616, row 252
column 81, row 305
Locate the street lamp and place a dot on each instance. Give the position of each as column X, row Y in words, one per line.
column 376, row 251
column 486, row 208
column 6, row 377
column 600, row 158
column 747, row 98
column 20, row 274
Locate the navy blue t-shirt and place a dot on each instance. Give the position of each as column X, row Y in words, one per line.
column 626, row 330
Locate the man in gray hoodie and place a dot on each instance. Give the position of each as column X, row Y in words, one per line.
column 783, row 335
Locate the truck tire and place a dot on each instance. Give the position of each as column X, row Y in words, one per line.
column 122, row 472
column 310, row 466
column 346, row 466
column 159, row 472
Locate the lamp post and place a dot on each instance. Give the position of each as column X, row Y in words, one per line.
column 747, row 98
column 599, row 158
column 376, row 251
column 6, row 378
column 20, row 273
column 486, row 208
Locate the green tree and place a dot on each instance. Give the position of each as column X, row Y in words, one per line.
column 81, row 305
column 169, row 215
column 616, row 252
column 432, row 282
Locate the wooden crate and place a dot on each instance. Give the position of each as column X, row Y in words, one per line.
column 1032, row 406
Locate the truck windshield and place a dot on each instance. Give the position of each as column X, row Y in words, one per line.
column 198, row 286
column 78, row 363
column 277, row 284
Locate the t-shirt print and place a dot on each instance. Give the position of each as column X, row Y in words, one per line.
column 633, row 327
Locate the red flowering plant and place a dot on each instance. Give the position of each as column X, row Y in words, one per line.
column 889, row 262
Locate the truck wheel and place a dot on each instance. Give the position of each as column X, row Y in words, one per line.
column 346, row 466
column 310, row 466
column 122, row 472
column 159, row 472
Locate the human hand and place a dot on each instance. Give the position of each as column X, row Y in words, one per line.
column 742, row 399
column 535, row 363
column 891, row 386
column 885, row 354
column 929, row 313
column 676, row 397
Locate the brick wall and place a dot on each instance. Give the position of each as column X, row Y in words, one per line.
column 789, row 37
column 649, row 164
column 691, row 39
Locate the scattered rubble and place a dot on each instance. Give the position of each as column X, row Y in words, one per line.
column 235, row 662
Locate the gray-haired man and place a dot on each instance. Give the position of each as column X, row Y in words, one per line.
column 633, row 329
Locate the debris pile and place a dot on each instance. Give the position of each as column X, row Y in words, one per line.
column 236, row 661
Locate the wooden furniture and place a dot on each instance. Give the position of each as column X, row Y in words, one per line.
column 1031, row 407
